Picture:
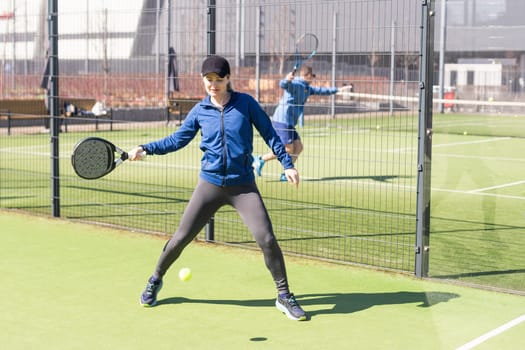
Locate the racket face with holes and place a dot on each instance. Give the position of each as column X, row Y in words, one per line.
column 305, row 48
column 94, row 157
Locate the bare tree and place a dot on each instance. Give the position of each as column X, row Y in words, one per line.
column 105, row 60
column 278, row 42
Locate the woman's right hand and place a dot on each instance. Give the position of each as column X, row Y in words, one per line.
column 136, row 153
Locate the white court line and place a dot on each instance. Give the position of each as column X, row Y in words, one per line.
column 471, row 142
column 498, row 186
column 492, row 333
column 479, row 193
column 495, row 158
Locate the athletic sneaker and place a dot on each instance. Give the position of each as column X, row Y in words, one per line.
column 149, row 295
column 290, row 307
column 283, row 178
column 258, row 164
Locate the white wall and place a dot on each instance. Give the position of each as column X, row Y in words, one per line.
column 484, row 74
column 75, row 17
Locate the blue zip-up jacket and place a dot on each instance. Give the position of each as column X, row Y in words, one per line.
column 291, row 105
column 227, row 139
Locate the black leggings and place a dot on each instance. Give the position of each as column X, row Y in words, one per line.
column 205, row 201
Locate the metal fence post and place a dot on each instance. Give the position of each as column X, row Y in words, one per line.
column 210, row 227
column 424, row 160
column 53, row 104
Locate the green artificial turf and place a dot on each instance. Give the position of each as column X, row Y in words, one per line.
column 67, row 285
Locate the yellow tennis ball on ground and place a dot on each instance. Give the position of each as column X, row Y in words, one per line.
column 185, row 274
column 465, row 133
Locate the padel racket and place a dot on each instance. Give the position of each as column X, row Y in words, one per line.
column 305, row 48
column 94, row 157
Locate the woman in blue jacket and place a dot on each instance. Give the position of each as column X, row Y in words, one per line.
column 225, row 119
column 289, row 111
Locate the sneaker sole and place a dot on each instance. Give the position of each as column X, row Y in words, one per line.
column 147, row 305
column 285, row 311
column 150, row 305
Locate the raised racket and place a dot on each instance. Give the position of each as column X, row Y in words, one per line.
column 305, row 48
column 94, row 157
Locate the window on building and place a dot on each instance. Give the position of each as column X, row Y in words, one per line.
column 470, row 77
column 456, row 15
column 453, row 78
column 489, row 11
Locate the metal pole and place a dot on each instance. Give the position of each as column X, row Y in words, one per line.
column 211, row 28
column 157, row 38
column 210, row 226
column 424, row 160
column 334, row 61
column 26, row 61
column 53, row 104
column 238, row 35
column 258, row 53
column 442, row 46
column 168, row 45
column 86, row 60
column 392, row 65
column 13, row 57
column 243, row 32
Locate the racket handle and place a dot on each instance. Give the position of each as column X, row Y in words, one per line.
column 125, row 155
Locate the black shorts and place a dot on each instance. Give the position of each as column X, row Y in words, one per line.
column 288, row 134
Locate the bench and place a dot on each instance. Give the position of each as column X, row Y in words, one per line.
column 83, row 108
column 179, row 108
column 28, row 109
column 22, row 110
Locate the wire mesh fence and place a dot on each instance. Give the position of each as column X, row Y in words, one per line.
column 140, row 60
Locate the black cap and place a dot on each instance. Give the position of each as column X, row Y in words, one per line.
column 216, row 64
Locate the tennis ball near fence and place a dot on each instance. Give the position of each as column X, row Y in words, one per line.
column 465, row 133
column 185, row 274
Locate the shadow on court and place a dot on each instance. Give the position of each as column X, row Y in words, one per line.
column 379, row 178
column 481, row 273
column 334, row 303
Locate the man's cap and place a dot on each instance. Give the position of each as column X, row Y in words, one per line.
column 216, row 64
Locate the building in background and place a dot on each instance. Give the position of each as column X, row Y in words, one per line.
column 96, row 34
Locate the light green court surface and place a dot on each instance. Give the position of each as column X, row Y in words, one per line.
column 73, row 286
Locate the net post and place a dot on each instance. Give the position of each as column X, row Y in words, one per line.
column 424, row 160
column 442, row 51
column 210, row 230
